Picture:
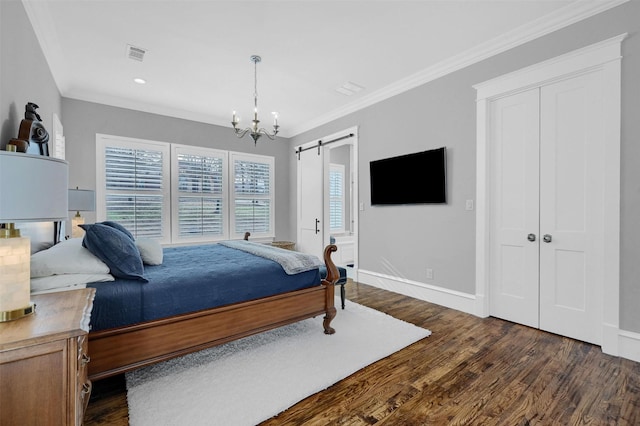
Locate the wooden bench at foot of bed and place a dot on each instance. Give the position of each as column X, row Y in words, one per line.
column 118, row 350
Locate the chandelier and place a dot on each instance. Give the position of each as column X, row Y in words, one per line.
column 255, row 130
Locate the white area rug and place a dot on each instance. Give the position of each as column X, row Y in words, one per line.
column 252, row 379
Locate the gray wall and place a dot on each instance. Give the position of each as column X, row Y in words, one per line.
column 441, row 237
column 24, row 73
column 84, row 119
column 24, row 77
column 403, row 241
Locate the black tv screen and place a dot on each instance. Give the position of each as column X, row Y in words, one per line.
column 418, row 178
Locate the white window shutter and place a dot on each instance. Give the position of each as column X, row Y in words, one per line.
column 134, row 187
column 201, row 196
column 253, row 195
column 182, row 193
column 336, row 197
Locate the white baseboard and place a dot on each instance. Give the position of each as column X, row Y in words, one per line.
column 610, row 339
column 629, row 345
column 616, row 342
column 441, row 296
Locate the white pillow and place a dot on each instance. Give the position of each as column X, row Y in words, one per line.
column 67, row 280
column 150, row 251
column 59, row 289
column 67, row 257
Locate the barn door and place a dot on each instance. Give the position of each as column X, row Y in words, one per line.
column 310, row 201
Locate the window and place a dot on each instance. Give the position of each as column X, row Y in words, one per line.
column 199, row 211
column 133, row 184
column 180, row 194
column 336, row 197
column 252, row 195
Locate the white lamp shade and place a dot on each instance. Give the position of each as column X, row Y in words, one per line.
column 82, row 200
column 33, row 188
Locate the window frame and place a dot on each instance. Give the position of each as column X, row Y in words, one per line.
column 233, row 156
column 170, row 218
column 104, row 141
column 176, row 150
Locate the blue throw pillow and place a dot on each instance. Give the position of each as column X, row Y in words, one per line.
column 115, row 249
column 118, row 227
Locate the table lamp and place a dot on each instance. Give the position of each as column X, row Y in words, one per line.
column 80, row 200
column 33, row 188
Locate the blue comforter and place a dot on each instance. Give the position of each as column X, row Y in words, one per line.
column 191, row 279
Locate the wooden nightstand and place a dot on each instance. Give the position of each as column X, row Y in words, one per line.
column 43, row 361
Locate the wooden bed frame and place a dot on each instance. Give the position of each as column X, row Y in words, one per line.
column 118, row 350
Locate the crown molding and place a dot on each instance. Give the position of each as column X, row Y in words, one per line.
column 127, row 103
column 39, row 15
column 40, row 18
column 118, row 102
column 568, row 15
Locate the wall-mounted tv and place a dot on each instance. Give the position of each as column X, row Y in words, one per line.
column 418, row 178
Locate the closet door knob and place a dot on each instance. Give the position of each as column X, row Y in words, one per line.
column 531, row 237
column 546, row 238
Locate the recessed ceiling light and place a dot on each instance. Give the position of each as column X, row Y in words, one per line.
column 140, row 80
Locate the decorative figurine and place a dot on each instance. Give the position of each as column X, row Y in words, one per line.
column 32, row 136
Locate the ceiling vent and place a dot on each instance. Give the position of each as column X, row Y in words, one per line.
column 349, row 88
column 135, row 53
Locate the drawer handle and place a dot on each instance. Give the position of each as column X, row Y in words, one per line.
column 86, row 389
column 86, row 359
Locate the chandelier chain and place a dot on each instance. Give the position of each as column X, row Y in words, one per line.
column 255, row 81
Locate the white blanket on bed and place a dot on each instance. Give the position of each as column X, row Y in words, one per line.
column 293, row 262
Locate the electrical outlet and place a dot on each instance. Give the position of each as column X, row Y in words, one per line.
column 429, row 273
column 361, row 206
column 469, row 205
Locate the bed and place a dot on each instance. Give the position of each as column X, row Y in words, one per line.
column 136, row 323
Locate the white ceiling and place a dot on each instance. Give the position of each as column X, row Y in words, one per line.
column 197, row 66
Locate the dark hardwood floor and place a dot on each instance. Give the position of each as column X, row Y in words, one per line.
column 470, row 371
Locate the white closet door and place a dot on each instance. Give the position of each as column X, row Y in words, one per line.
column 514, row 210
column 310, row 202
column 571, row 207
